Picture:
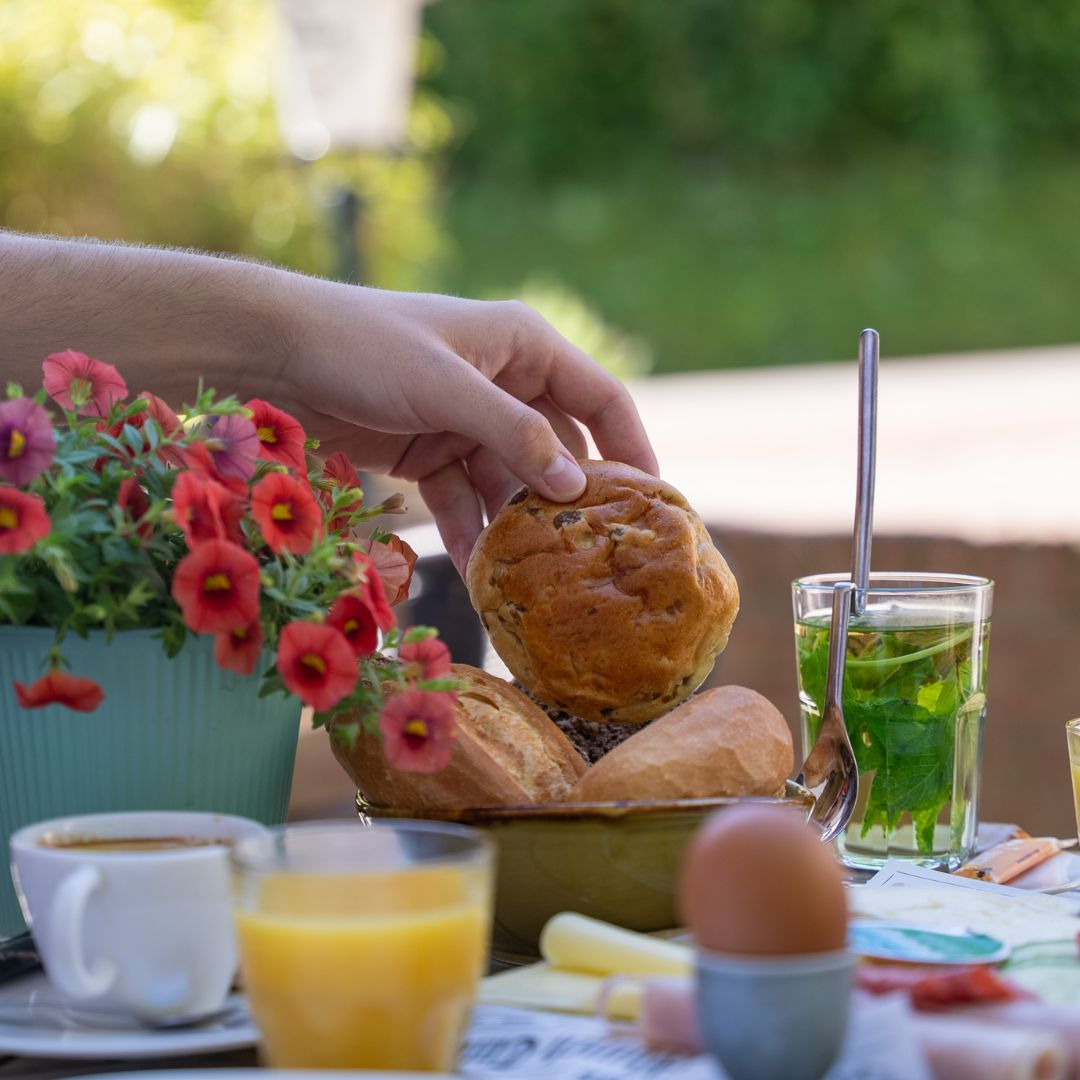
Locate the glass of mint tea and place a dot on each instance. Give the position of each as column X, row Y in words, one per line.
column 914, row 702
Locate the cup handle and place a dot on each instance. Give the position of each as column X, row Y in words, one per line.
column 66, row 965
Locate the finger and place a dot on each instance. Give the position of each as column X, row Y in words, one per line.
column 566, row 427
column 452, row 500
column 580, row 386
column 426, row 453
column 494, row 482
column 458, row 398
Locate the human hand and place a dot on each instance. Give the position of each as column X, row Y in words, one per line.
column 468, row 398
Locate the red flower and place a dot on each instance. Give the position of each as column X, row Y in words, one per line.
column 286, row 512
column 233, row 446
column 59, row 688
column 27, row 443
column 427, row 659
column 239, row 650
column 394, row 562
column 316, row 663
column 206, row 511
column 339, row 473
column 370, row 590
column 217, row 587
column 418, row 730
column 199, row 460
column 160, row 412
column 76, row 382
column 132, row 499
column 23, row 521
column 281, row 438
column 354, row 619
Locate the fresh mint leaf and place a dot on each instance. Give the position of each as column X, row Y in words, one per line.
column 903, row 691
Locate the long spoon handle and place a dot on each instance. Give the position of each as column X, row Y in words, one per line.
column 864, row 489
column 843, row 598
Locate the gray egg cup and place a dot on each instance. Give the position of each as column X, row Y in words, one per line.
column 774, row 1018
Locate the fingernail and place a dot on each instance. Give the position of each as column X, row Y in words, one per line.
column 564, row 478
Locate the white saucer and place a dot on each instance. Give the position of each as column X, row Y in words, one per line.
column 30, row 1027
column 275, row 1074
column 1058, row 871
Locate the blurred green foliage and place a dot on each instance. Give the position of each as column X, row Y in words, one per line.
column 740, row 182
column 556, row 86
column 153, row 121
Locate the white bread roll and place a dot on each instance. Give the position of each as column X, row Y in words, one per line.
column 725, row 741
column 507, row 752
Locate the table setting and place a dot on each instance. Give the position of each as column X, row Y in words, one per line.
column 594, row 869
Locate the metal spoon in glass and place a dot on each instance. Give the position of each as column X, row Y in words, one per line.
column 830, row 771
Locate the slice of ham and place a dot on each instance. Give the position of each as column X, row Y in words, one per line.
column 963, row 1049
column 933, row 988
column 1017, row 1040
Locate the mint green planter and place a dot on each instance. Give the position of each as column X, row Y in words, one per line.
column 176, row 734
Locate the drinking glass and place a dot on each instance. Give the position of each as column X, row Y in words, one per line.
column 1072, row 732
column 914, row 701
column 361, row 944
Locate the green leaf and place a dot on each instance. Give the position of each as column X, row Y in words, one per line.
column 902, row 693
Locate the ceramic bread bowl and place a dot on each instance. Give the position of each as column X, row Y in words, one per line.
column 616, row 861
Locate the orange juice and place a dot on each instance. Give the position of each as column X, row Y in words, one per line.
column 364, row 970
column 1072, row 733
column 1076, row 792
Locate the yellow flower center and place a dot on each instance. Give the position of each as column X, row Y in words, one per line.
column 9, row 519
column 216, row 583
column 351, row 626
column 417, row 728
column 315, row 662
column 17, row 445
column 266, row 434
column 241, row 634
column 281, row 512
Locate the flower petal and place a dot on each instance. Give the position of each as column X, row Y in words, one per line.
column 76, row 382
column 60, row 688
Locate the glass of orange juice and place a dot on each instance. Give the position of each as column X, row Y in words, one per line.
column 1072, row 731
column 361, row 943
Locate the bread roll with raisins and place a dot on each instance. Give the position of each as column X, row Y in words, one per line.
column 612, row 607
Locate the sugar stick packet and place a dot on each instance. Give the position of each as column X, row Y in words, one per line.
column 1011, row 858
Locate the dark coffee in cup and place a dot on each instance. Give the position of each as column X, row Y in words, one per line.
column 127, row 843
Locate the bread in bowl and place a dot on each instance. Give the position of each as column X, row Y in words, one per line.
column 728, row 741
column 612, row 607
column 507, row 752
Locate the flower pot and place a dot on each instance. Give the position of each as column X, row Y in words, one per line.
column 179, row 734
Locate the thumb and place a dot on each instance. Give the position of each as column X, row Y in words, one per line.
column 522, row 437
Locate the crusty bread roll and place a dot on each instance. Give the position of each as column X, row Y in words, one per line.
column 507, row 753
column 725, row 741
column 612, row 607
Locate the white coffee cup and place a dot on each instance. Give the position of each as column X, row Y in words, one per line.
column 148, row 933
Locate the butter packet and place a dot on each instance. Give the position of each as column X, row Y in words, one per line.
column 1011, row 858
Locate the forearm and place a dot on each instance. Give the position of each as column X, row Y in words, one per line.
column 163, row 318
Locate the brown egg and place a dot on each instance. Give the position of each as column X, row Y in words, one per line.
column 757, row 881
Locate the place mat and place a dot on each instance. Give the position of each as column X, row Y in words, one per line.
column 528, row 1045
